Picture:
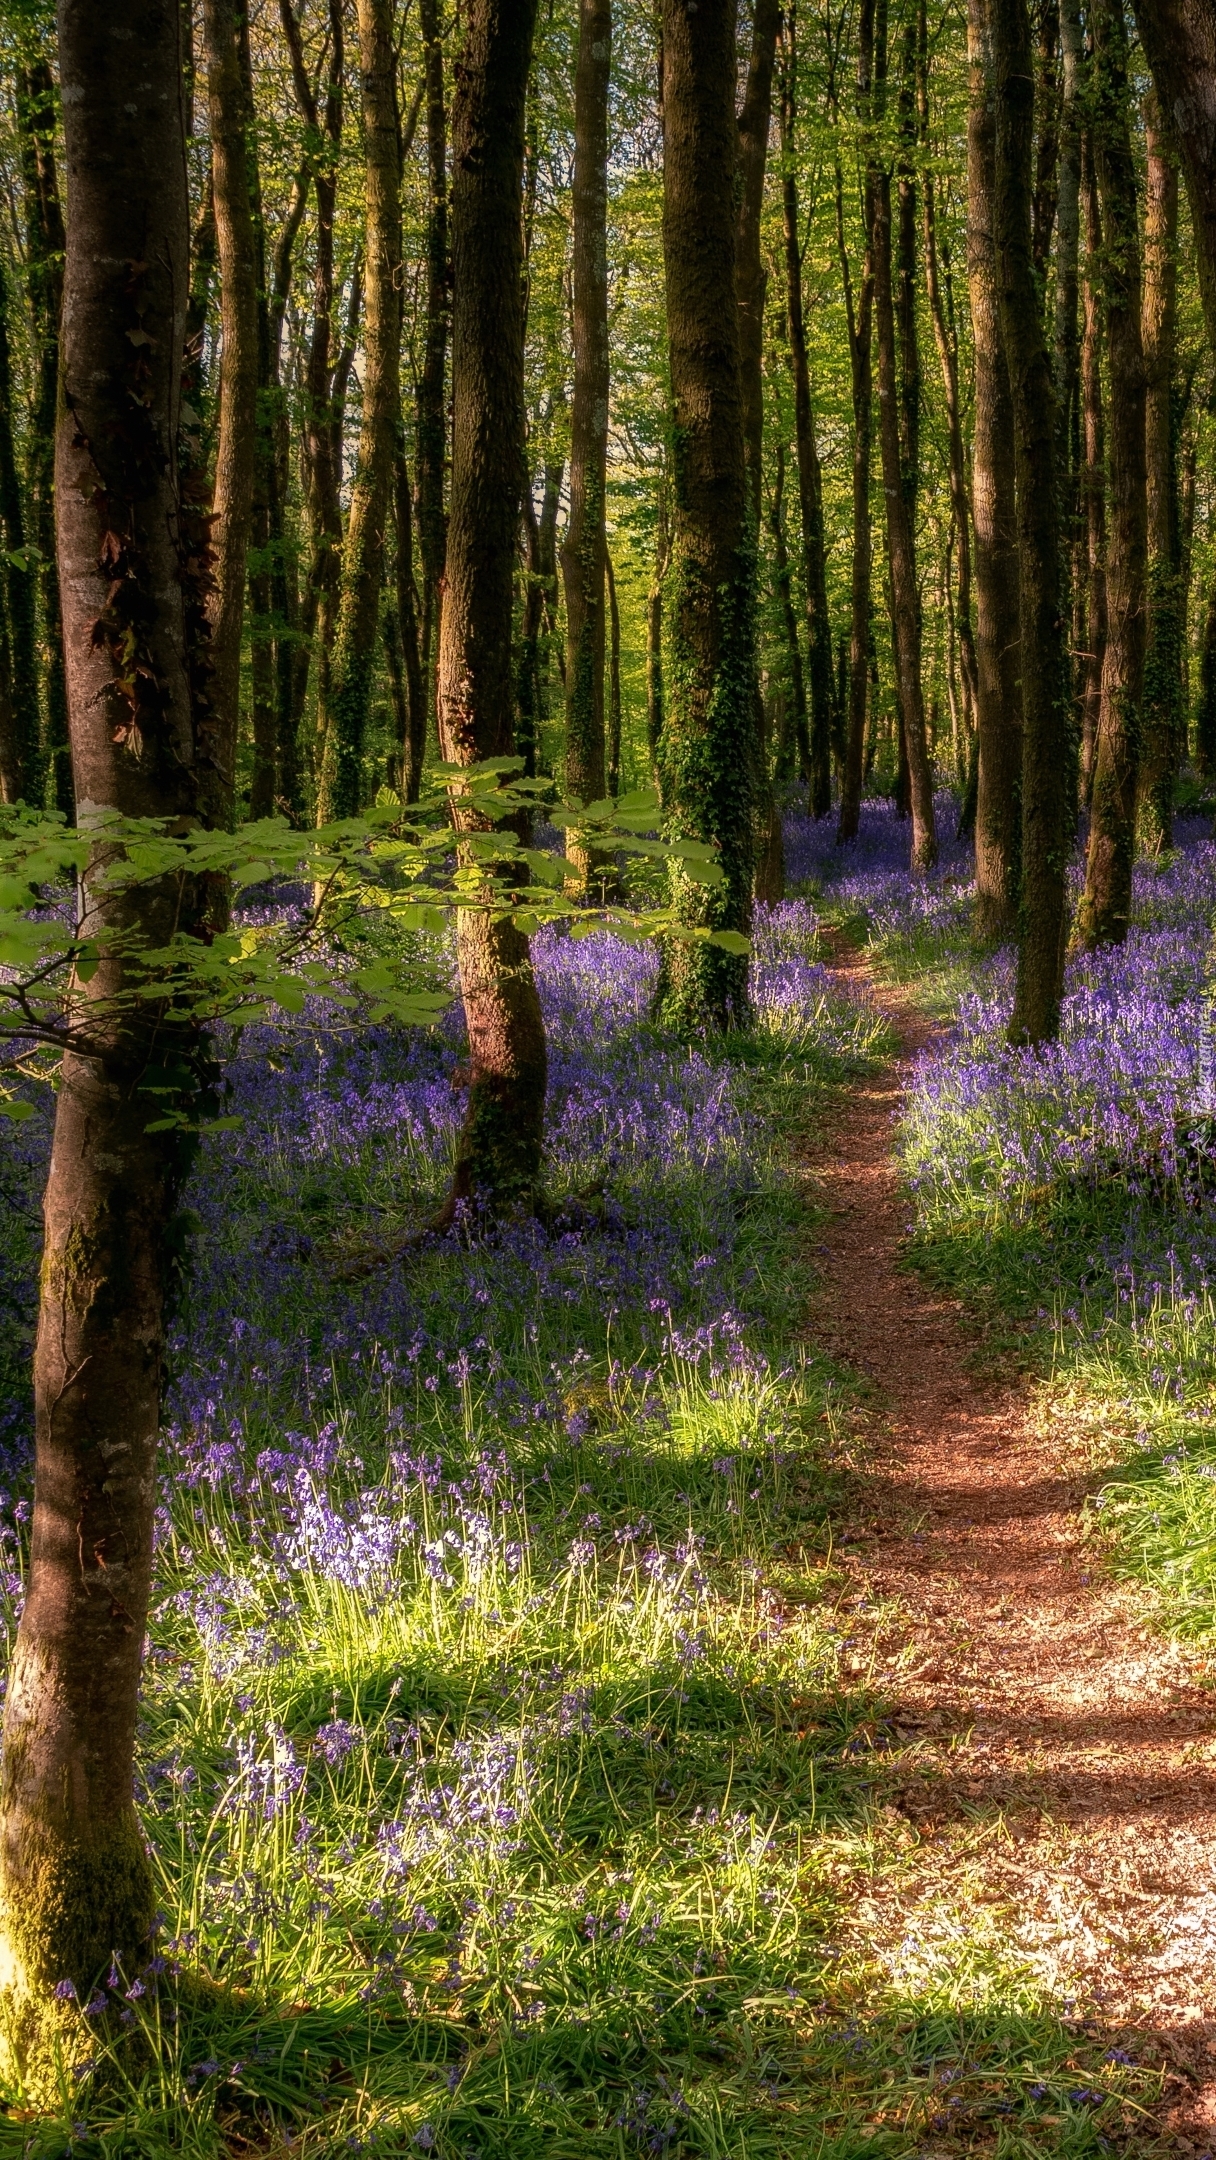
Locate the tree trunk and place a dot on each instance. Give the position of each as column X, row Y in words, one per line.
column 343, row 721
column 789, row 617
column 1093, row 476
column 430, row 454
column 498, row 1161
column 614, row 684
column 231, row 123
column 751, row 279
column 1046, row 812
column 1106, row 907
column 584, row 547
column 412, row 745
column 998, row 803
column 901, row 547
column 44, row 254
column 1179, row 40
column 810, row 477
column 708, row 730
column 654, row 640
column 24, row 754
column 75, row 1880
column 1067, row 357
column 1164, row 729
column 859, row 316
column 1047, row 146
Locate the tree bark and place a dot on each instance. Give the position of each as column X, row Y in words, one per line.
column 75, row 1882
column 1067, row 349
column 430, row 454
column 1179, row 40
column 614, row 684
column 231, row 124
column 859, row 316
column 901, row 546
column 1106, row 906
column 412, row 745
column 584, row 546
column 1093, row 475
column 1164, row 731
column 44, row 254
column 789, row 616
column 1046, row 813
column 654, row 639
column 998, row 804
column 1047, row 146
column 810, row 476
column 498, row 1161
column 343, row 711
column 751, row 280
column 21, row 758
column 708, row 730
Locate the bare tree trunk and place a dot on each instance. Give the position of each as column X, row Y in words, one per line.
column 584, row 547
column 44, row 254
column 654, row 639
column 231, row 121
column 1179, row 40
column 344, row 712
column 1106, row 906
column 901, row 547
column 1164, row 727
column 998, row 803
column 614, row 685
column 1067, row 341
column 431, row 436
column 499, row 1153
column 859, row 315
column 21, row 770
column 75, row 1880
column 1046, row 793
column 946, row 340
column 708, row 728
column 789, row 617
column 751, row 279
column 810, row 477
column 1047, row 146
column 1093, row 475
column 412, row 742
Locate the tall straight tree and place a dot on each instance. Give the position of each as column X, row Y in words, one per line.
column 584, row 546
column 998, row 811
column 76, row 1886
column 343, row 719
column 859, row 312
column 20, row 730
column 499, row 1152
column 44, row 238
column 1164, row 705
column 1106, row 905
column 810, row 476
column 431, row 432
column 1046, row 761
column 232, row 179
column 751, row 280
column 708, row 725
column 1092, row 477
column 1179, row 40
column 894, row 412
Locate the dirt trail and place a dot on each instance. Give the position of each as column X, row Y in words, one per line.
column 1057, row 1751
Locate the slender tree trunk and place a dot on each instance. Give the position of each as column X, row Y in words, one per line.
column 584, row 547
column 1205, row 707
column 654, row 641
column 1093, row 476
column 20, row 596
column 431, row 432
column 810, row 477
column 1106, row 907
column 1164, row 710
column 901, row 547
column 998, row 803
column 708, row 729
column 1067, row 340
column 859, row 315
column 947, row 354
column 349, row 691
column 499, row 1153
column 1046, row 790
column 789, row 617
column 231, row 122
column 412, row 745
column 1047, row 145
column 44, row 254
column 751, row 279
column 1179, row 40
column 614, row 684
column 75, row 1882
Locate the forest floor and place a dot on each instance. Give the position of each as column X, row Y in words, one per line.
column 1059, row 1757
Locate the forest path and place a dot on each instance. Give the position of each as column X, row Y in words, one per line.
column 1059, row 1762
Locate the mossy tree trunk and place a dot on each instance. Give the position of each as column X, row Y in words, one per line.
column 998, row 804
column 342, row 720
column 21, row 769
column 36, row 120
column 1046, row 783
column 859, row 314
column 1164, row 704
column 706, row 749
column 499, row 1153
column 75, row 1882
column 751, row 284
column 584, row 545
column 1179, row 40
column 1106, row 905
column 431, row 432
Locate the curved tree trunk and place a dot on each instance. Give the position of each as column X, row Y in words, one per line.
column 344, row 708
column 231, row 122
column 1106, row 906
column 1164, row 730
column 998, row 803
column 1046, row 790
column 499, row 1153
column 75, row 1883
column 584, row 547
column 706, row 748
